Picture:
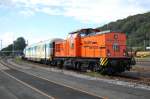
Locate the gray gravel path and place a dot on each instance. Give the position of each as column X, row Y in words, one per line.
column 12, row 89
column 101, row 88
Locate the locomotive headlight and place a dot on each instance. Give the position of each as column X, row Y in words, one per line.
column 124, row 52
column 108, row 52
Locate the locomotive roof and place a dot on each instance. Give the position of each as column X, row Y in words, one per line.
column 108, row 31
column 85, row 29
column 97, row 31
column 44, row 42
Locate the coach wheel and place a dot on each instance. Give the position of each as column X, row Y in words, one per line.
column 53, row 63
column 45, row 62
column 61, row 63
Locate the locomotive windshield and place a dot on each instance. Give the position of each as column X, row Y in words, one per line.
column 115, row 47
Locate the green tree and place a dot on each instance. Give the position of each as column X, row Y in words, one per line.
column 136, row 27
column 18, row 46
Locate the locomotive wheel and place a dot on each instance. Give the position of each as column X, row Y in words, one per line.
column 75, row 65
column 107, row 71
column 60, row 64
column 103, row 71
column 95, row 67
column 110, row 71
column 78, row 66
column 133, row 62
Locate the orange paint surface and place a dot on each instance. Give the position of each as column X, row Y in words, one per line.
column 93, row 46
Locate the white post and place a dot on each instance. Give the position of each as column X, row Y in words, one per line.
column 1, row 44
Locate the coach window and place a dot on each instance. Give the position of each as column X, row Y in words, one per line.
column 35, row 48
column 43, row 47
column 50, row 45
column 47, row 46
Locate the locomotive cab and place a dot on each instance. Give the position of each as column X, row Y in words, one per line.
column 74, row 44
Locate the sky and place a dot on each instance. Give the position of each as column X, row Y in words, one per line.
column 38, row 20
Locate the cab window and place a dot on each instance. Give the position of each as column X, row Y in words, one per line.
column 115, row 47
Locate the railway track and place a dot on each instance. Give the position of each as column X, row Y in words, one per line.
column 130, row 78
column 134, row 77
column 110, row 87
column 44, row 86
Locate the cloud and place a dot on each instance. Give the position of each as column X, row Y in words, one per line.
column 33, row 38
column 7, row 38
column 96, row 11
column 50, row 11
column 27, row 13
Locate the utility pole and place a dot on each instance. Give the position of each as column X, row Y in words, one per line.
column 149, row 39
column 144, row 45
column 1, row 48
column 27, row 42
column 1, row 44
column 13, row 48
column 131, row 46
column 144, row 41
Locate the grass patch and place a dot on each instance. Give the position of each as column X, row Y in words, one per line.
column 18, row 59
column 142, row 59
column 94, row 74
column 99, row 75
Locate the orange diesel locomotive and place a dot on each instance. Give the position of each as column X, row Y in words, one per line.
column 93, row 49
